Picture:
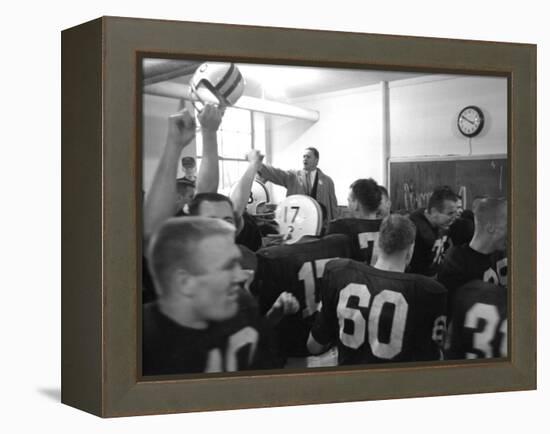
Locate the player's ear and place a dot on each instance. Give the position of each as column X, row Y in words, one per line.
column 409, row 254
column 184, row 283
column 490, row 228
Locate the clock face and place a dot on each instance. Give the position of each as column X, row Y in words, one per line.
column 470, row 121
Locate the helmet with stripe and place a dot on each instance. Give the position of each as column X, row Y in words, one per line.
column 218, row 83
column 298, row 215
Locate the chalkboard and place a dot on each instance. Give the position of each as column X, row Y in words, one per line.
column 412, row 181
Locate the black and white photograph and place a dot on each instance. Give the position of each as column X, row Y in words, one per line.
column 301, row 217
column 179, row 256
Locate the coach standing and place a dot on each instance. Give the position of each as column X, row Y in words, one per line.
column 310, row 181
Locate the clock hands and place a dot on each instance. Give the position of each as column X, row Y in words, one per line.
column 467, row 120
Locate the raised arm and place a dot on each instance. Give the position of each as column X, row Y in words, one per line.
column 274, row 175
column 161, row 199
column 241, row 193
column 208, row 177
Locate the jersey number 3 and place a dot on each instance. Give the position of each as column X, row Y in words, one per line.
column 483, row 319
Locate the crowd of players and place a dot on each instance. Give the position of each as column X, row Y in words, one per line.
column 375, row 287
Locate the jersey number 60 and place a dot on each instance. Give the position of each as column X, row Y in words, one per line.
column 354, row 340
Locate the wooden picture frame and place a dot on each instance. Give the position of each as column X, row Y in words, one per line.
column 101, row 232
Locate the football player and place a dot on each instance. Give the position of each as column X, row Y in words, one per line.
column 432, row 225
column 483, row 258
column 196, row 267
column 381, row 314
column 296, row 268
column 479, row 326
column 364, row 200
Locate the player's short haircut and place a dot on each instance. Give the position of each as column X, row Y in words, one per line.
column 188, row 162
column 488, row 210
column 397, row 233
column 195, row 204
column 314, row 150
column 367, row 193
column 384, row 191
column 440, row 195
column 174, row 246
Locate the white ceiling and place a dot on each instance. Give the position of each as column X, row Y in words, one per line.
column 284, row 83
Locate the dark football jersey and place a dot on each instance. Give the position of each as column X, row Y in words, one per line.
column 463, row 264
column 429, row 248
column 243, row 334
column 249, row 235
column 378, row 316
column 479, row 327
column 362, row 233
column 298, row 269
column 169, row 348
column 226, row 346
column 462, row 230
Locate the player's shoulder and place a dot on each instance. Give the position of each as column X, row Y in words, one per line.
column 343, row 264
column 478, row 285
column 249, row 260
column 457, row 253
column 426, row 283
column 417, row 216
column 334, row 238
column 273, row 252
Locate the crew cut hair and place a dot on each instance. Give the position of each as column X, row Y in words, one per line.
column 397, row 233
column 174, row 246
column 440, row 195
column 207, row 197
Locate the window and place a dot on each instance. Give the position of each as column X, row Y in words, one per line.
column 235, row 139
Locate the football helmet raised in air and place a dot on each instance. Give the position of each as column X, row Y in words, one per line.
column 217, row 83
column 297, row 216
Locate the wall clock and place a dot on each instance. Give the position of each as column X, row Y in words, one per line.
column 470, row 121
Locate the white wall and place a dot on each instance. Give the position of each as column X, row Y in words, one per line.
column 423, row 115
column 348, row 136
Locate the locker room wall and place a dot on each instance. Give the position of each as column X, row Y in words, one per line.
column 424, row 111
column 423, row 114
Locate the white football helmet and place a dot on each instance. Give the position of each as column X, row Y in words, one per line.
column 298, row 216
column 259, row 195
column 219, row 83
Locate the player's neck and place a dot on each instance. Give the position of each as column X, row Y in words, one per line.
column 481, row 246
column 180, row 313
column 390, row 264
column 367, row 215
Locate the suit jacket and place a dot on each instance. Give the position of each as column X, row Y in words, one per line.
column 295, row 183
